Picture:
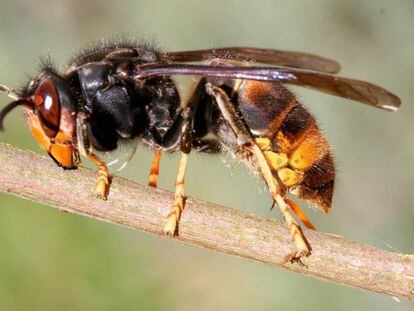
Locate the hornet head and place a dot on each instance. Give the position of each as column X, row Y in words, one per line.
column 51, row 113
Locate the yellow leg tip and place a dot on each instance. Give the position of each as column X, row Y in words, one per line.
column 296, row 256
column 101, row 190
column 153, row 183
column 302, row 251
column 170, row 227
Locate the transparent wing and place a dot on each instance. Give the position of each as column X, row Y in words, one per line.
column 356, row 90
column 266, row 56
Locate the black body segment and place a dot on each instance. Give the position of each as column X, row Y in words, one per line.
column 117, row 106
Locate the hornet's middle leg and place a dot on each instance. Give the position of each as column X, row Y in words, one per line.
column 177, row 137
column 174, row 216
column 155, row 169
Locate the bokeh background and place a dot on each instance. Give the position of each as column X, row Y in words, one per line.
column 50, row 260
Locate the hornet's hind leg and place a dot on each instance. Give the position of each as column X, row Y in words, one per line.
column 302, row 247
column 246, row 143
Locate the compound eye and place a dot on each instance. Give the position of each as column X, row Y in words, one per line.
column 47, row 104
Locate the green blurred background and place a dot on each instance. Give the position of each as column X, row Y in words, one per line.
column 51, row 260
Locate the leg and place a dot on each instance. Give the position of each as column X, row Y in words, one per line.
column 179, row 201
column 300, row 214
column 231, row 115
column 155, row 169
column 102, row 184
column 85, row 148
column 302, row 247
column 245, row 141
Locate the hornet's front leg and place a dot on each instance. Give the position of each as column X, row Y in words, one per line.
column 102, row 184
column 85, row 148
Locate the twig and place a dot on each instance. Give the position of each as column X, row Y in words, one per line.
column 217, row 228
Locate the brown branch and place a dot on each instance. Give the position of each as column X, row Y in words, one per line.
column 334, row 259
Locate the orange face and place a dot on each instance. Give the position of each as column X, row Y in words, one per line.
column 59, row 147
column 51, row 113
column 52, row 124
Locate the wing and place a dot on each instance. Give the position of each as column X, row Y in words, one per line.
column 356, row 90
column 267, row 56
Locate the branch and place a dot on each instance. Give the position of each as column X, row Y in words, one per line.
column 31, row 176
